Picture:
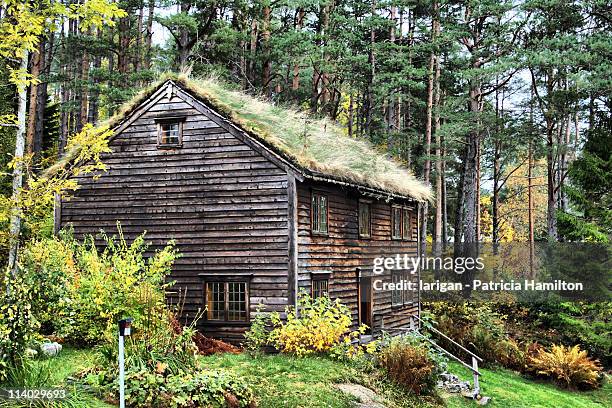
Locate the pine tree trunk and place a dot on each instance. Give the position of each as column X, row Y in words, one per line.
column 43, row 92
column 253, row 50
column 149, row 36
column 564, row 165
column 551, row 196
column 444, row 201
column 324, row 76
column 439, row 168
column 84, row 98
column 391, row 108
column 470, row 182
column 138, row 48
column 20, row 141
column 496, row 172
column 93, row 112
column 63, row 136
column 530, row 207
column 124, row 43
column 428, row 128
column 408, row 118
column 111, row 64
column 240, row 71
column 295, row 82
column 477, row 192
column 371, row 79
column 36, row 65
column 267, row 62
column 350, row 116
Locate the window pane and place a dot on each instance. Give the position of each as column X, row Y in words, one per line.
column 323, row 213
column 170, row 133
column 396, row 295
column 315, row 212
column 319, row 213
column 319, row 288
column 407, row 294
column 396, row 223
column 215, row 300
column 406, row 224
column 237, row 307
column 364, row 219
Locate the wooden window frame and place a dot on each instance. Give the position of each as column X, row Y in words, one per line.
column 395, row 208
column 406, row 212
column 395, row 293
column 369, row 204
column 406, row 293
column 317, row 280
column 168, row 120
column 313, row 230
column 225, row 281
column 400, row 298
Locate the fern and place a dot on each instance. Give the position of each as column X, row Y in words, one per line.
column 569, row 366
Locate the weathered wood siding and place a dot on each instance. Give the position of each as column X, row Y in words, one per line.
column 223, row 202
column 342, row 251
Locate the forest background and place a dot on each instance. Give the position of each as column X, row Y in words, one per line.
column 502, row 106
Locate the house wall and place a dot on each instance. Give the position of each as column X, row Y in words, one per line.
column 223, row 202
column 342, row 251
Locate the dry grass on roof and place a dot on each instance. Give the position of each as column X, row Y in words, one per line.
column 316, row 144
column 313, row 143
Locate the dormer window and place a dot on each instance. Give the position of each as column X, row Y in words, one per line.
column 170, row 132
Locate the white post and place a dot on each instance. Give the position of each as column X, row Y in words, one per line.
column 476, row 383
column 121, row 374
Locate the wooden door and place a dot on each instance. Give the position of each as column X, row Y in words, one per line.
column 365, row 302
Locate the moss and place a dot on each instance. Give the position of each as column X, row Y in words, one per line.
column 316, row 145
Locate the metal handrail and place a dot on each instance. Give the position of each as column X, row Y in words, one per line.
column 475, row 359
column 451, row 340
column 448, row 353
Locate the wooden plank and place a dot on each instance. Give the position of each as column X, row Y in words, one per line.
column 293, row 266
column 223, row 202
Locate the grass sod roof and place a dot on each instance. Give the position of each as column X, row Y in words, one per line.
column 315, row 145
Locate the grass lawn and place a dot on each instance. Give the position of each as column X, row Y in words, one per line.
column 69, row 362
column 509, row 389
column 283, row 381
column 280, row 381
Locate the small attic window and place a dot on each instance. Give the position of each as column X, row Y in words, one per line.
column 170, row 132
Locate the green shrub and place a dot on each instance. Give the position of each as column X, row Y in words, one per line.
column 150, row 349
column 18, row 325
column 114, row 283
column 156, row 388
column 587, row 324
column 257, row 337
column 50, row 262
column 27, row 373
column 321, row 325
column 480, row 329
column 409, row 365
column 570, row 367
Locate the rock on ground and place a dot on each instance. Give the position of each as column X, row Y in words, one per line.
column 366, row 397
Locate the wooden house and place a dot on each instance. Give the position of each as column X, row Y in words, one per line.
column 262, row 202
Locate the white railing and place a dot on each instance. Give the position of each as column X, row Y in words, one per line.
column 475, row 359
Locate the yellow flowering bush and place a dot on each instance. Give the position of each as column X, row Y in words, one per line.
column 319, row 326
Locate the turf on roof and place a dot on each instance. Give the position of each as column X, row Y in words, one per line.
column 316, row 145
